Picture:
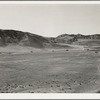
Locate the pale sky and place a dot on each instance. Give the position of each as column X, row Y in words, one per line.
column 51, row 19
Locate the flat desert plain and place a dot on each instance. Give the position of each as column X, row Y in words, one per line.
column 50, row 71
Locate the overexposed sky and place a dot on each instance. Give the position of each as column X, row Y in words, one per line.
column 51, row 19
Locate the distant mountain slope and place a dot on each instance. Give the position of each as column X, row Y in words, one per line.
column 79, row 39
column 14, row 37
column 21, row 38
column 65, row 38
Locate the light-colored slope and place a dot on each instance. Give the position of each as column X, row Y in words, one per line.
column 18, row 49
column 87, row 42
column 72, row 46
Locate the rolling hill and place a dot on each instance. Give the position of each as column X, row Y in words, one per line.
column 15, row 37
column 79, row 39
column 19, row 38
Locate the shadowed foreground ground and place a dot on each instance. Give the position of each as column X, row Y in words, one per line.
column 50, row 72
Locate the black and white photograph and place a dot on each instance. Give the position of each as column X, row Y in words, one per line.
column 49, row 48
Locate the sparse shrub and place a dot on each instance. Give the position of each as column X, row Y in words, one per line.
column 87, row 49
column 9, row 53
column 31, row 51
column 58, row 85
column 32, row 92
column 98, row 91
column 21, row 86
column 96, row 52
column 67, row 50
column 62, row 89
column 30, row 85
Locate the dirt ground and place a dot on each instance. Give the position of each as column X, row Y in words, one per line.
column 50, row 71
